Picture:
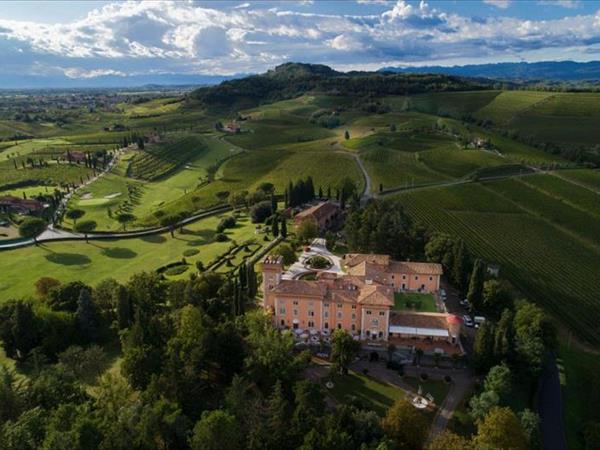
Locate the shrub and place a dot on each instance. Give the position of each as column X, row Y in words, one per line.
column 226, row 222
column 319, row 262
column 260, row 211
column 200, row 266
column 424, row 376
column 448, row 379
column 176, row 270
column 287, row 253
column 221, row 237
column 191, row 252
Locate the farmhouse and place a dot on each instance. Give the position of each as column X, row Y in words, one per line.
column 11, row 204
column 232, row 127
column 360, row 301
column 324, row 214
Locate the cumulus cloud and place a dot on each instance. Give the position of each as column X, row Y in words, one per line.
column 502, row 4
column 195, row 37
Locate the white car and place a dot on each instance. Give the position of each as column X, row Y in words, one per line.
column 468, row 321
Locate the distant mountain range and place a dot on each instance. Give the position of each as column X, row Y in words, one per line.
column 108, row 81
column 557, row 71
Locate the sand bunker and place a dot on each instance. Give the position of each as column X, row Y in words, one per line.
column 86, row 196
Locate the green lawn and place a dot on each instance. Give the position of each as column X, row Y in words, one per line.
column 119, row 259
column 414, row 302
column 379, row 396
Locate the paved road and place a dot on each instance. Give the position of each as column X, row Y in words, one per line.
column 317, row 248
column 550, row 409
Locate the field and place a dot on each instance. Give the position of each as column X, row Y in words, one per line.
column 119, row 259
column 548, row 248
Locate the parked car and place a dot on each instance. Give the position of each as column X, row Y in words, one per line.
column 443, row 293
column 468, row 321
column 478, row 320
column 465, row 303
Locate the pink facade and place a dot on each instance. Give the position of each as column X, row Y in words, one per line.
column 359, row 302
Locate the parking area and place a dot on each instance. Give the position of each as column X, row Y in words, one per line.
column 453, row 306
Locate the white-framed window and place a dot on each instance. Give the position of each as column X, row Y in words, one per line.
column 368, row 312
column 430, row 278
column 353, row 316
column 339, row 305
column 311, row 324
column 282, row 311
column 295, row 312
column 416, row 277
column 375, row 322
column 353, row 327
column 326, row 305
column 326, row 314
column 339, row 315
column 404, row 277
column 382, row 313
column 326, row 325
column 353, row 306
column 295, row 302
column 311, row 314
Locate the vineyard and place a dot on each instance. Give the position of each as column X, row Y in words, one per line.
column 550, row 264
column 158, row 161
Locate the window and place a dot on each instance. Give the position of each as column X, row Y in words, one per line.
column 339, row 315
column 404, row 277
column 416, row 277
column 368, row 313
column 382, row 313
column 353, row 306
column 375, row 322
column 326, row 305
column 295, row 312
column 381, row 334
column 311, row 324
column 326, row 325
column 392, row 277
column 311, row 314
column 339, row 326
column 295, row 302
column 430, row 278
column 353, row 327
column 339, row 305
column 326, row 314
column 353, row 316
column 282, row 323
column 281, row 311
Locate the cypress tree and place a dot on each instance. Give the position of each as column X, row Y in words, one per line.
column 475, row 291
column 328, row 192
column 460, row 267
column 273, row 203
column 275, row 227
column 86, row 317
column 504, row 336
column 283, row 227
column 124, row 315
column 320, row 192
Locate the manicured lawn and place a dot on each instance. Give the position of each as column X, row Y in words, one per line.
column 119, row 259
column 379, row 396
column 414, row 302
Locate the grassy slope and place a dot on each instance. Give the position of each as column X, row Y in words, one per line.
column 119, row 259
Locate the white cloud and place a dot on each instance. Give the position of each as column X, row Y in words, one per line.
column 75, row 72
column 171, row 36
column 502, row 4
column 570, row 4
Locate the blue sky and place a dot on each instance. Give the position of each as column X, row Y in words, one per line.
column 98, row 38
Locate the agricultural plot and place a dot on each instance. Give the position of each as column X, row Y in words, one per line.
column 505, row 106
column 160, row 160
column 550, row 263
column 459, row 163
column 54, row 174
column 589, row 179
column 453, row 104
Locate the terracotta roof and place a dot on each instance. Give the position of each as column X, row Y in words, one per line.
column 417, row 268
column 319, row 211
column 453, row 319
column 353, row 259
column 11, row 200
column 376, row 295
column 301, row 287
column 419, row 320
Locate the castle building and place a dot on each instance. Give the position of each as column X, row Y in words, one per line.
column 360, row 301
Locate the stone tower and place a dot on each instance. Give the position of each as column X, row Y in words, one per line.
column 272, row 271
